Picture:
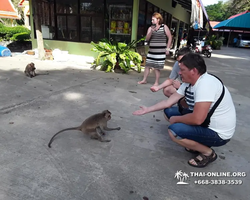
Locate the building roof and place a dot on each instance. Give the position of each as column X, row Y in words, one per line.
column 213, row 23
column 240, row 22
column 242, row 13
column 7, row 10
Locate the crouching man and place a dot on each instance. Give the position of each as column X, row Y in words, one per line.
column 205, row 117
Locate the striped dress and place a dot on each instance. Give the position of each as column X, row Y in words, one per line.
column 157, row 49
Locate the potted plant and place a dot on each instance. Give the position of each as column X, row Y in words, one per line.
column 214, row 42
column 117, row 55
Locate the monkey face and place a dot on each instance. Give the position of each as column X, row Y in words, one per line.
column 107, row 114
column 32, row 66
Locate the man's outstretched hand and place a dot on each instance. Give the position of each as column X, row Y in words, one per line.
column 142, row 111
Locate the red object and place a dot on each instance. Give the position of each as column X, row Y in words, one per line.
column 7, row 10
column 233, row 16
column 20, row 4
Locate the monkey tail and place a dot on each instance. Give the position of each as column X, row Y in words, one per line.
column 67, row 129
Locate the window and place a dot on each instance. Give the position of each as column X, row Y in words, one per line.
column 72, row 20
column 46, row 14
column 67, row 6
column 92, row 20
column 85, row 29
column 150, row 11
column 142, row 30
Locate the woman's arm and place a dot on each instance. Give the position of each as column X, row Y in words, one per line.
column 149, row 33
column 168, row 34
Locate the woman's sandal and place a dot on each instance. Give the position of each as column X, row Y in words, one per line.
column 202, row 160
column 191, row 151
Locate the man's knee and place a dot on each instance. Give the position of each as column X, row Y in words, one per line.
column 167, row 91
column 172, row 111
column 173, row 135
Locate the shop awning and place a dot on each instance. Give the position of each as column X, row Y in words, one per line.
column 7, row 10
column 241, row 22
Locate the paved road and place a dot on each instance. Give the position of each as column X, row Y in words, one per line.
column 140, row 161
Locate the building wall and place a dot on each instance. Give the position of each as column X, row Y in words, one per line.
column 177, row 12
column 78, row 48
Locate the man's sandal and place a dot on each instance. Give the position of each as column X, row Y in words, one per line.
column 202, row 160
column 191, row 151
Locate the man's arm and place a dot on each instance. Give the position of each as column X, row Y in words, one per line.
column 197, row 117
column 159, row 106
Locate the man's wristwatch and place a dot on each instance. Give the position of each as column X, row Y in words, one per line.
column 167, row 49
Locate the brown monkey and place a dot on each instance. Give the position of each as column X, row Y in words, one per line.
column 30, row 70
column 93, row 126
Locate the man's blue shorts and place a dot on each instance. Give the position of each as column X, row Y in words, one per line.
column 200, row 134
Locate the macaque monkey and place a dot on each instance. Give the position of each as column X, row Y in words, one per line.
column 30, row 70
column 93, row 126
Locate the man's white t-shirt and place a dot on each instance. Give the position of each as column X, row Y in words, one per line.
column 208, row 89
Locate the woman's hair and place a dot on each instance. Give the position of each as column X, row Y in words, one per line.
column 158, row 16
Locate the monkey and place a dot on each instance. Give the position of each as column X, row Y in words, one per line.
column 93, row 126
column 30, row 70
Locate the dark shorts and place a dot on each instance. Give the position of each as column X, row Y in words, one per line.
column 202, row 135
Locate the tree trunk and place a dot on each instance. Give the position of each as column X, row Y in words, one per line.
column 39, row 36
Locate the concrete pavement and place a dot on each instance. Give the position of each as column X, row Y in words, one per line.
column 140, row 162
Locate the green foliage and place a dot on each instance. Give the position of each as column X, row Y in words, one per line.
column 20, row 37
column 214, row 42
column 238, row 6
column 112, row 53
column 222, row 11
column 6, row 33
column 216, row 12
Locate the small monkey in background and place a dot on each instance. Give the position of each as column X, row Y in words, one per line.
column 94, row 126
column 30, row 70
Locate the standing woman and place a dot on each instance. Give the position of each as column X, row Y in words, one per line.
column 157, row 36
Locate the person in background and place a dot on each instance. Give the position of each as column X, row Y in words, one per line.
column 174, row 81
column 157, row 36
column 235, row 41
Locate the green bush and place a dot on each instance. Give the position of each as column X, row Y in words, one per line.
column 6, row 33
column 20, row 37
column 214, row 42
column 116, row 53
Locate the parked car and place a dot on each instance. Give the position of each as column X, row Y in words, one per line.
column 243, row 41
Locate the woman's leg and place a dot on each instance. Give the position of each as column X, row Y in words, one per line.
column 145, row 75
column 157, row 76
